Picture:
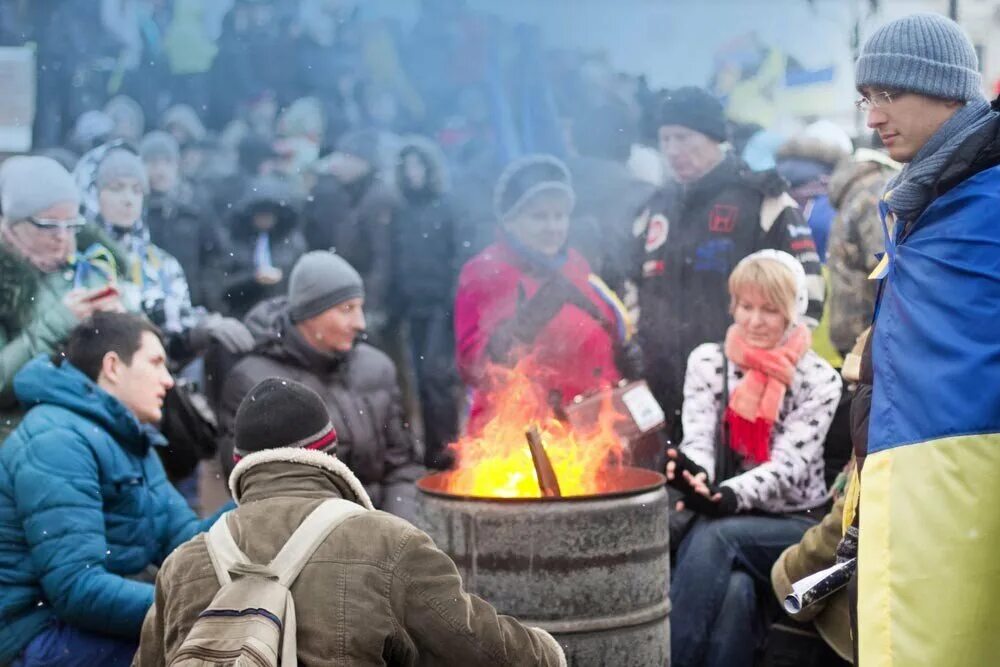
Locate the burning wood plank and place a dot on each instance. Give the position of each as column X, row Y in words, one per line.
column 547, row 480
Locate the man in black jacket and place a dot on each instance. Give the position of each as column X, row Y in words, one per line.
column 312, row 337
column 693, row 232
column 425, row 273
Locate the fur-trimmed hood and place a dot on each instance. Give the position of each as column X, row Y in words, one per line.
column 438, row 180
column 809, row 148
column 305, row 457
column 18, row 286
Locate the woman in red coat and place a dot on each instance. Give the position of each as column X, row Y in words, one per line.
column 530, row 295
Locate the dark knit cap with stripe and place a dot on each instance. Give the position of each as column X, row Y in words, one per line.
column 282, row 413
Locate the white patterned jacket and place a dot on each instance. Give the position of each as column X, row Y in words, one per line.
column 793, row 479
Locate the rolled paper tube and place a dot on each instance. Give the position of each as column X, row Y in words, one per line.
column 819, row 586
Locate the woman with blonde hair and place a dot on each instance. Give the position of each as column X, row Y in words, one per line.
column 756, row 412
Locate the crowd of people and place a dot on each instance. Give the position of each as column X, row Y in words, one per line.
column 308, row 272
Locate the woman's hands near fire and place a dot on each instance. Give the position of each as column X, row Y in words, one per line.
column 678, row 463
column 700, row 495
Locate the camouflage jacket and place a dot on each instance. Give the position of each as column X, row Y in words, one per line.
column 855, row 241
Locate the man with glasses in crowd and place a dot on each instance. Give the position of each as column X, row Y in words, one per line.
column 929, row 435
column 47, row 284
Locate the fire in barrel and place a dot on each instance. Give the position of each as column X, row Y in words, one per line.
column 548, row 523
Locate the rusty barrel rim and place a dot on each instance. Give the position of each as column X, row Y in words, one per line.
column 620, row 482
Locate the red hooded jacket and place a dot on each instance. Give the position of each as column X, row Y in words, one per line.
column 573, row 353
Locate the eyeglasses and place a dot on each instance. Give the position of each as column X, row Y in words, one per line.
column 57, row 225
column 877, row 100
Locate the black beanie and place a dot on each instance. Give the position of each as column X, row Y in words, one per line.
column 696, row 109
column 282, row 413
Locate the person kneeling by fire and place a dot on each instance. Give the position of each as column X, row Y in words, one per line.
column 530, row 303
column 756, row 412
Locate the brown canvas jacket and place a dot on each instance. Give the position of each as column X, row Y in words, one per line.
column 376, row 592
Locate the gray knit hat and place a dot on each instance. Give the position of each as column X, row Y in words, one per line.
column 30, row 184
column 118, row 164
column 527, row 177
column 921, row 53
column 319, row 281
column 159, row 145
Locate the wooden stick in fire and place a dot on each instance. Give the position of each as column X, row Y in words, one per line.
column 547, row 480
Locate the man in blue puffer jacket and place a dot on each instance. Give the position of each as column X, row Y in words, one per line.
column 86, row 511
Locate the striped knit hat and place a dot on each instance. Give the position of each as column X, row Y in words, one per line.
column 282, row 413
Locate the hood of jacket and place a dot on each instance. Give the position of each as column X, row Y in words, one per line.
column 863, row 164
column 978, row 153
column 266, row 192
column 277, row 338
column 812, row 149
column 433, row 158
column 44, row 381
column 293, row 471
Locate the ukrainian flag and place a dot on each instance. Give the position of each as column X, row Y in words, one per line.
column 929, row 556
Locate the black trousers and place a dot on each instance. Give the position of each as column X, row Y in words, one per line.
column 431, row 344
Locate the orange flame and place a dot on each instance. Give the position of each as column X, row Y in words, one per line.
column 496, row 462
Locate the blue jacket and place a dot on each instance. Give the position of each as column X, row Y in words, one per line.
column 84, row 505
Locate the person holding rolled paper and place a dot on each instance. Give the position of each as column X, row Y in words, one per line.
column 757, row 408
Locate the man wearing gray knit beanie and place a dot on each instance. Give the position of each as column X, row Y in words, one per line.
column 927, row 520
column 313, row 336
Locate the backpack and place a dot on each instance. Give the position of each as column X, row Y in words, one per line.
column 251, row 620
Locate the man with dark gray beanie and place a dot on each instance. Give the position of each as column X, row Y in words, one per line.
column 376, row 591
column 312, row 336
column 929, row 534
column 691, row 234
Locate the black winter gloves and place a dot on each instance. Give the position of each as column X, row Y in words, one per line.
column 724, row 506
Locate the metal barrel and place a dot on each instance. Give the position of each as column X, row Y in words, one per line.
column 595, row 573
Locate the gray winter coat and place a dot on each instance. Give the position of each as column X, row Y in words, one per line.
column 360, row 390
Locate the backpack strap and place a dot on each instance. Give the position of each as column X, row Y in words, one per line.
column 223, row 550
column 309, row 535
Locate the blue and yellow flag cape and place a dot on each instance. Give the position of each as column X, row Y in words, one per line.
column 929, row 559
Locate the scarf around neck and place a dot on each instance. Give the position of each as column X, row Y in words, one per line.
column 911, row 191
column 755, row 404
